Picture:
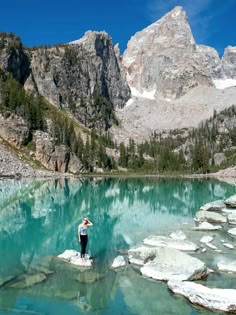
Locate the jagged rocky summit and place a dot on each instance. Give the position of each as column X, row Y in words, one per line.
column 175, row 82
column 164, row 60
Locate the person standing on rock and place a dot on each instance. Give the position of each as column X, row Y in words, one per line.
column 83, row 235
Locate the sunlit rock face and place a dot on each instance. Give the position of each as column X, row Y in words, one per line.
column 229, row 62
column 160, row 60
column 81, row 69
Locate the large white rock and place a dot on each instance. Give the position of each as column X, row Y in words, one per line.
column 232, row 231
column 118, row 262
column 210, row 216
column 73, row 257
column 216, row 205
column 68, row 254
column 206, row 226
column 178, row 235
column 232, row 218
column 206, row 239
column 77, row 261
column 163, row 241
column 213, row 299
column 142, row 254
column 231, row 202
column 228, row 266
column 172, row 264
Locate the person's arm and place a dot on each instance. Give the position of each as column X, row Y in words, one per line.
column 89, row 223
column 79, row 233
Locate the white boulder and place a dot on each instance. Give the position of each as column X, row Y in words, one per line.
column 77, row 261
column 216, row 205
column 172, row 264
column 178, row 235
column 231, row 202
column 232, row 231
column 232, row 218
column 118, row 262
column 228, row 266
column 163, row 241
column 206, row 226
column 210, row 216
column 206, row 239
column 68, row 254
column 213, row 299
column 73, row 257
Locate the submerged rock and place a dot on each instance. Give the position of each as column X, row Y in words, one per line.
column 28, row 281
column 5, row 280
column 206, row 239
column 118, row 262
column 228, row 266
column 216, row 205
column 89, row 277
column 163, row 241
column 231, row 202
column 178, row 235
column 172, row 264
column 210, row 216
column 232, row 231
column 213, row 299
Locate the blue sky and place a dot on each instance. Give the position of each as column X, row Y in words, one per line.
column 47, row 22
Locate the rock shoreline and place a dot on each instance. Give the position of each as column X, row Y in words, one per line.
column 175, row 259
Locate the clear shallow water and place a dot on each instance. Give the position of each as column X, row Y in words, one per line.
column 39, row 220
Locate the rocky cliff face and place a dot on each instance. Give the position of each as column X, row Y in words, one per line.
column 13, row 58
column 82, row 69
column 229, row 62
column 159, row 59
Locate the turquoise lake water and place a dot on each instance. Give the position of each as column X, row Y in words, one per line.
column 39, row 219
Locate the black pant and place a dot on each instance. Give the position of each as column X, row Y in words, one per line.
column 83, row 244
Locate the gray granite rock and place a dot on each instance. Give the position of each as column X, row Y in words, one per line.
column 232, row 231
column 206, row 226
column 163, row 241
column 178, row 235
column 210, row 216
column 170, row 264
column 213, row 299
column 216, row 205
column 227, row 265
column 231, row 202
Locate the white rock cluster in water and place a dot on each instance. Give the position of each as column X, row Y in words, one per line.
column 73, row 257
column 165, row 258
